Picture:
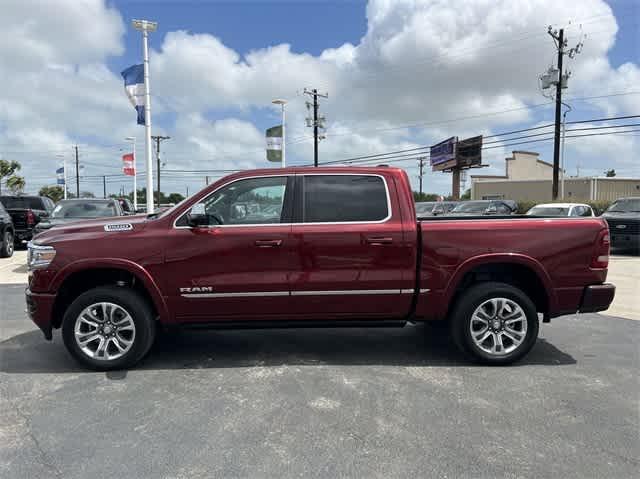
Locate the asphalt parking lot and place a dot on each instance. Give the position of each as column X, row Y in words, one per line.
column 326, row 403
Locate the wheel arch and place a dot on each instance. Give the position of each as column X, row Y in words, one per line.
column 82, row 276
column 517, row 270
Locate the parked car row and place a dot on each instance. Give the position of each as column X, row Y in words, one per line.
column 23, row 216
column 623, row 216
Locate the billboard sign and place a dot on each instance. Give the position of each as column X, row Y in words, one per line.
column 443, row 155
column 469, row 152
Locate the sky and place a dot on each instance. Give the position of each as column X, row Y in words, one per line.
column 399, row 74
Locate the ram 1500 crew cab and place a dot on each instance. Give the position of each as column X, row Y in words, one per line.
column 311, row 247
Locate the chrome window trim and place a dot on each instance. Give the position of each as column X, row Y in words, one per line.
column 386, row 189
column 384, row 220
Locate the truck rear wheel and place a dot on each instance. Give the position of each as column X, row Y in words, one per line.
column 109, row 327
column 494, row 323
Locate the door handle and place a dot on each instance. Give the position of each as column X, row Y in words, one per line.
column 268, row 243
column 379, row 240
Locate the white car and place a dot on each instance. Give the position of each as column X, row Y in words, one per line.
column 561, row 209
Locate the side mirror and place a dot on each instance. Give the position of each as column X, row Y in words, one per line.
column 196, row 220
column 491, row 210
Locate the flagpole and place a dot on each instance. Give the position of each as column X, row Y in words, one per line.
column 135, row 179
column 146, row 27
column 132, row 139
column 282, row 103
column 64, row 170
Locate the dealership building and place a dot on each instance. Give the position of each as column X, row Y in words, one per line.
column 528, row 178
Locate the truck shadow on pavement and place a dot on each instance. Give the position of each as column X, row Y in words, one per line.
column 409, row 346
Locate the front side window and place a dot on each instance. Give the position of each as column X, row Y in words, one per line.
column 344, row 198
column 244, row 202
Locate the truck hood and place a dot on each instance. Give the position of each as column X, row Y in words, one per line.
column 89, row 229
column 623, row 215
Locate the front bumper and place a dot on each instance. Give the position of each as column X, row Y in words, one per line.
column 23, row 236
column 40, row 309
column 619, row 240
column 597, row 297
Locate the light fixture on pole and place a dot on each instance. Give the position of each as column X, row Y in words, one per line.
column 132, row 139
column 282, row 103
column 145, row 27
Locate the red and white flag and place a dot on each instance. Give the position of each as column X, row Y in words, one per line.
column 128, row 167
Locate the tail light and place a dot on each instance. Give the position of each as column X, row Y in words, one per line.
column 31, row 218
column 600, row 257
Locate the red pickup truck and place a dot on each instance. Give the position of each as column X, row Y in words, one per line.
column 312, row 247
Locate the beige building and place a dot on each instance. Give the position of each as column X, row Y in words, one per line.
column 527, row 178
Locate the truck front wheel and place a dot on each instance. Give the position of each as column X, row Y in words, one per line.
column 109, row 327
column 494, row 323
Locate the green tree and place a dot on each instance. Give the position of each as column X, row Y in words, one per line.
column 466, row 195
column 174, row 198
column 56, row 193
column 87, row 194
column 7, row 169
column 610, row 173
column 15, row 184
column 424, row 196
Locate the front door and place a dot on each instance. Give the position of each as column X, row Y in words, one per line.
column 237, row 266
column 351, row 257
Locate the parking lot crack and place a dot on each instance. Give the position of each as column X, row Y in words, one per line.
column 44, row 458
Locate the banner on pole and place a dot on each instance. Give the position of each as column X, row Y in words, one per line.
column 134, row 88
column 60, row 176
column 128, row 167
column 274, row 144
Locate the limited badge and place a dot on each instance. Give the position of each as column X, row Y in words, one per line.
column 118, row 227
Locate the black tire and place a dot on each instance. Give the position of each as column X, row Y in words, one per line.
column 466, row 306
column 140, row 312
column 6, row 248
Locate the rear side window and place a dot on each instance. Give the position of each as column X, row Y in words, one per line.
column 344, row 198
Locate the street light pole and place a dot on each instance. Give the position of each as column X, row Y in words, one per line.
column 145, row 27
column 282, row 103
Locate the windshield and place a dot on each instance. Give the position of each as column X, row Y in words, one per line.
column 549, row 211
column 22, row 202
column 424, row 207
column 84, row 209
column 628, row 206
column 471, row 207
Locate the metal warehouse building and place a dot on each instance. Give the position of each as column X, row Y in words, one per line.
column 527, row 178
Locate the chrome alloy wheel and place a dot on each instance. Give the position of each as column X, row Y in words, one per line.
column 104, row 331
column 498, row 326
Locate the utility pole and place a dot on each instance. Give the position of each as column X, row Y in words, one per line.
column 316, row 122
column 104, row 187
column 560, row 81
column 77, row 173
column 556, row 138
column 158, row 139
column 421, row 165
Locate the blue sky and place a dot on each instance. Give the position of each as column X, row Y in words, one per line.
column 444, row 66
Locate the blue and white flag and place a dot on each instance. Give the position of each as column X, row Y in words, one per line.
column 60, row 175
column 134, row 87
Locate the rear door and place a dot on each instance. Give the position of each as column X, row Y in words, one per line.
column 351, row 257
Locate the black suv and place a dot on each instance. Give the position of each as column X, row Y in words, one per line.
column 6, row 234
column 623, row 217
column 26, row 212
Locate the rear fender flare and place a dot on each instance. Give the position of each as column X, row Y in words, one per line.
column 507, row 258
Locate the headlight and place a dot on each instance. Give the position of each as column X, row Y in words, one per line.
column 40, row 256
